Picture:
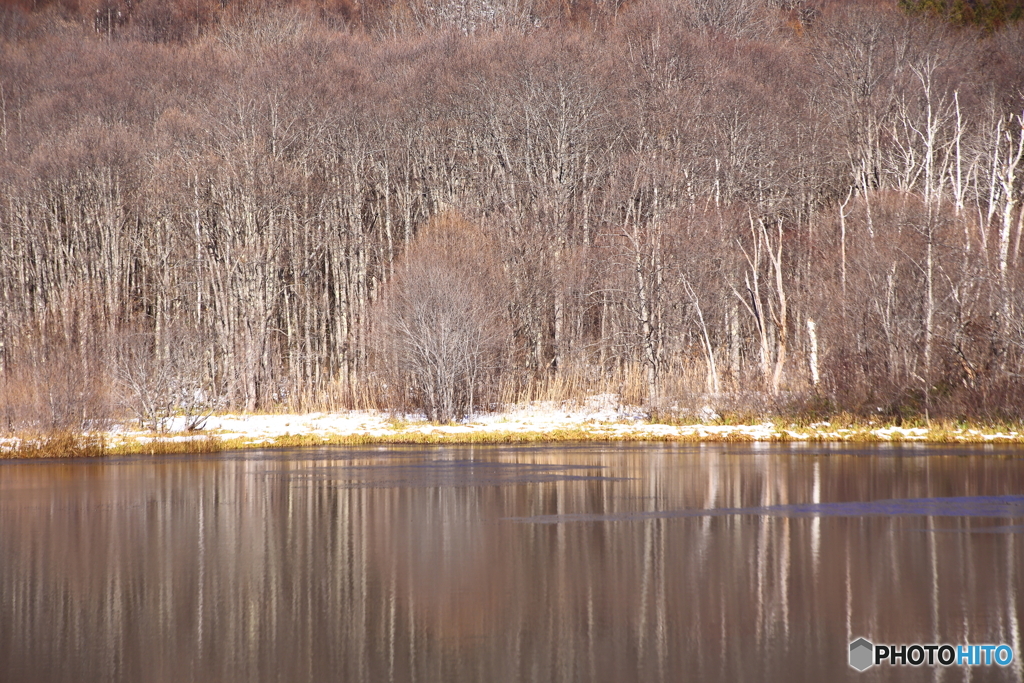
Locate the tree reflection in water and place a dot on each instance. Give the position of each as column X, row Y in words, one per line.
column 616, row 563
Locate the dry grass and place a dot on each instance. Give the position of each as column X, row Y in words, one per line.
column 57, row 445
column 77, row 445
column 844, row 429
column 164, row 446
column 437, row 438
column 579, row 382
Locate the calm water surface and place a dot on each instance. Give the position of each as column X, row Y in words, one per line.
column 590, row 563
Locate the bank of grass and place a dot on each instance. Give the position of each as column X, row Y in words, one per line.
column 63, row 444
column 411, row 438
column 599, row 433
column 840, row 429
column 167, row 446
column 68, row 444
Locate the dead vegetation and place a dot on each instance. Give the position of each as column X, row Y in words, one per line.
column 706, row 209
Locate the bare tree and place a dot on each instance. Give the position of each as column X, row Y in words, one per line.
column 441, row 320
column 283, row 205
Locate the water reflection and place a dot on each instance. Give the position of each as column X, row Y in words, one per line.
column 653, row 562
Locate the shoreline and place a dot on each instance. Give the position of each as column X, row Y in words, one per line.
column 533, row 424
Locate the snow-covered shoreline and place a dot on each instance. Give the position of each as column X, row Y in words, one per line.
column 262, row 430
column 588, row 422
column 600, row 418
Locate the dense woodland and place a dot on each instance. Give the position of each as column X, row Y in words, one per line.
column 446, row 205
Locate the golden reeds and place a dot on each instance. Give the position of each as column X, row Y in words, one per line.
column 844, row 429
column 64, row 444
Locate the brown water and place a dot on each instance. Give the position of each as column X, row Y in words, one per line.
column 591, row 563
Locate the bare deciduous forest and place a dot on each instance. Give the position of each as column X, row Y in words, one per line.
column 450, row 204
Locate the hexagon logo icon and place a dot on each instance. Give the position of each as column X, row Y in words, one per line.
column 861, row 654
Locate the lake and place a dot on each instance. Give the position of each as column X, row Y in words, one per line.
column 620, row 562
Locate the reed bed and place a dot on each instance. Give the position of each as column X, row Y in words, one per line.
column 75, row 446
column 63, row 444
column 167, row 446
column 740, row 419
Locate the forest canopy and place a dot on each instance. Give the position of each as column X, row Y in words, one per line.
column 760, row 205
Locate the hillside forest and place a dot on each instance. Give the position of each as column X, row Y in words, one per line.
column 445, row 206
